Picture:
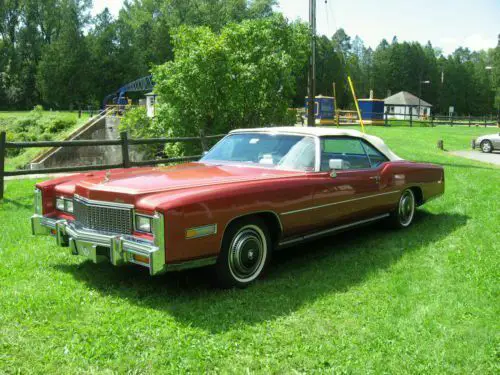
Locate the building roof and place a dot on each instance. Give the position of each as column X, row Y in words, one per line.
column 321, row 97
column 319, row 131
column 405, row 98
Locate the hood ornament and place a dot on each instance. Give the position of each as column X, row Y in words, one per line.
column 107, row 176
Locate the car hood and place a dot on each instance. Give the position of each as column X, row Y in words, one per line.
column 126, row 185
column 488, row 136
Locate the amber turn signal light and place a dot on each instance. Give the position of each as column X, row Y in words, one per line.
column 141, row 258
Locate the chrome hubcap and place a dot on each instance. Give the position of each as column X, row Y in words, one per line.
column 486, row 147
column 406, row 208
column 247, row 253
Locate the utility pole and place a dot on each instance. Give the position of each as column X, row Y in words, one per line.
column 420, row 94
column 311, row 82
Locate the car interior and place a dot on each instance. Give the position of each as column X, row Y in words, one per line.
column 356, row 153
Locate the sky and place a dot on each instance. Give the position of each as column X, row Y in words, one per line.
column 447, row 24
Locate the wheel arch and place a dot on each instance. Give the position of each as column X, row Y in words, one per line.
column 270, row 218
column 419, row 195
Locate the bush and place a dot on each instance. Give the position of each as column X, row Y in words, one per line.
column 25, row 125
column 58, row 125
column 137, row 123
column 35, row 126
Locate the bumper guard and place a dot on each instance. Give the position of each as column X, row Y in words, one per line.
column 94, row 245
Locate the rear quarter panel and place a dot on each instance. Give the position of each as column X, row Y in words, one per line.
column 428, row 177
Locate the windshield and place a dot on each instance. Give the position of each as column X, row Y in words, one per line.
column 280, row 151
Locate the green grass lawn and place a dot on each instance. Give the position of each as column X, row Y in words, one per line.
column 422, row 300
column 9, row 118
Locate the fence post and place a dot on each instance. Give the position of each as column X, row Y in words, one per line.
column 411, row 117
column 2, row 162
column 203, row 141
column 385, row 119
column 125, row 155
column 469, row 120
column 432, row 120
column 451, row 119
column 485, row 121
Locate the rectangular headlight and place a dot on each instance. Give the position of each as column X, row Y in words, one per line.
column 60, row 204
column 143, row 223
column 64, row 205
column 68, row 206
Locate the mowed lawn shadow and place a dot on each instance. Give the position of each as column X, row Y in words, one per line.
column 296, row 276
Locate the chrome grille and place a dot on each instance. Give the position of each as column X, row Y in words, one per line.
column 103, row 218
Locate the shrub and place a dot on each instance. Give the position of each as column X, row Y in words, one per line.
column 57, row 125
column 138, row 125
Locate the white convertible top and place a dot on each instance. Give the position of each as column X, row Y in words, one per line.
column 318, row 131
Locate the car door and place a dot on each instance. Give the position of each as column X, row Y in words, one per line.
column 496, row 141
column 351, row 194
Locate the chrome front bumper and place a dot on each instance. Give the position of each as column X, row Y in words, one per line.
column 97, row 246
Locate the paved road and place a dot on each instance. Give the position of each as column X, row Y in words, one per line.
column 493, row 158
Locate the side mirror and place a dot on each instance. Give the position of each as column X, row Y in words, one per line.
column 335, row 164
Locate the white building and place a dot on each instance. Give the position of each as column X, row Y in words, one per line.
column 400, row 105
column 151, row 104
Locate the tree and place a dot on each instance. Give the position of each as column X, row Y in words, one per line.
column 242, row 77
column 329, row 69
column 63, row 74
column 495, row 83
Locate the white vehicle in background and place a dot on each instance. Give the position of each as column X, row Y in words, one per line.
column 488, row 143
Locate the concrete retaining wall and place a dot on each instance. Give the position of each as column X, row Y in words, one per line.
column 98, row 128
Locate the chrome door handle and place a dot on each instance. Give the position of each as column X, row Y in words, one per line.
column 376, row 178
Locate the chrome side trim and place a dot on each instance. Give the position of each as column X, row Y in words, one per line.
column 196, row 263
column 336, row 203
column 103, row 203
column 330, row 231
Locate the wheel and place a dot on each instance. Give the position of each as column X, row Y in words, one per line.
column 246, row 249
column 486, row 146
column 402, row 217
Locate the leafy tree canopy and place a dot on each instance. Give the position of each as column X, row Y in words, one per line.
column 243, row 76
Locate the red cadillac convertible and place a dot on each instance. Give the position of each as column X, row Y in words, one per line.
column 255, row 191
